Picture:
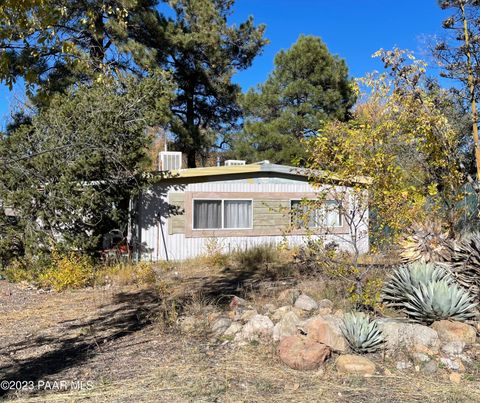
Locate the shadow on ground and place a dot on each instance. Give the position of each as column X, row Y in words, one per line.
column 79, row 340
column 73, row 342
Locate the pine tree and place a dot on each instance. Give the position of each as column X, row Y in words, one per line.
column 308, row 87
column 69, row 174
column 53, row 44
column 202, row 52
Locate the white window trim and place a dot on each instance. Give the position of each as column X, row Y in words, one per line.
column 340, row 225
column 223, row 213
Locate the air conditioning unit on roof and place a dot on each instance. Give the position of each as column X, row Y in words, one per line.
column 229, row 163
column 170, row 160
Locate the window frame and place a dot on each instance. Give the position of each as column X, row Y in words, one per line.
column 340, row 218
column 222, row 209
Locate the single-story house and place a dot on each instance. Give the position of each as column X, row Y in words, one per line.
column 233, row 207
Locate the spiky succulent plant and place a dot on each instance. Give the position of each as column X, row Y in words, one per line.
column 406, row 278
column 426, row 293
column 437, row 300
column 427, row 242
column 362, row 333
column 465, row 263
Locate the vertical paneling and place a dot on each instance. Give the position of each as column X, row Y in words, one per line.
column 178, row 247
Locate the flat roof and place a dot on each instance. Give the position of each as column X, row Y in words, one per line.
column 258, row 167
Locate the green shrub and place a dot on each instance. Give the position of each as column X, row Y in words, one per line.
column 362, row 333
column 427, row 293
column 406, row 278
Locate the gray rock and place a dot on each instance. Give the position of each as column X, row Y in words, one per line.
column 453, row 347
column 233, row 329
column 306, row 303
column 259, row 327
column 220, row 325
column 421, row 357
column 430, row 367
column 281, row 312
column 248, row 314
column 237, row 302
column 325, row 303
column 453, row 365
column 287, row 326
column 413, row 336
column 403, row 365
column 269, row 308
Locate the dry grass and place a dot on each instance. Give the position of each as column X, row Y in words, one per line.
column 117, row 337
column 203, row 373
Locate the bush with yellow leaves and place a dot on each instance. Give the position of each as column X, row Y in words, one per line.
column 67, row 270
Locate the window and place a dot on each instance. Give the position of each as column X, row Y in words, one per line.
column 327, row 216
column 207, row 214
column 222, row 214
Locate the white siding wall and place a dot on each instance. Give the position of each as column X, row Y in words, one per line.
column 179, row 247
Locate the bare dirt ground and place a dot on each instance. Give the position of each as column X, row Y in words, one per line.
column 114, row 338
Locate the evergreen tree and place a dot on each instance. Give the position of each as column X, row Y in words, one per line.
column 69, row 175
column 53, row 44
column 202, row 52
column 458, row 57
column 308, row 87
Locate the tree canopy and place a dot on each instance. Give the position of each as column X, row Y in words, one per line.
column 53, row 44
column 403, row 142
column 69, row 175
column 308, row 87
column 202, row 52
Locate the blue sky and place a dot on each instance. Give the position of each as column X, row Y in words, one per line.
column 353, row 29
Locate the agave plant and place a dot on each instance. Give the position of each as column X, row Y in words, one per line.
column 465, row 263
column 427, row 292
column 406, row 278
column 362, row 333
column 427, row 242
column 437, row 300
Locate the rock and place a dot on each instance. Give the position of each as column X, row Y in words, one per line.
column 220, row 325
column 455, row 331
column 325, row 303
column 421, row 357
column 354, row 364
column 326, row 330
column 257, row 328
column 281, row 312
column 403, row 365
column 248, row 314
column 237, row 302
column 269, row 308
column 306, row 303
column 455, row 377
column 287, row 326
column 289, row 295
column 430, row 367
column 453, row 347
column 339, row 313
column 300, row 352
column 454, row 365
column 413, row 336
column 233, row 329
